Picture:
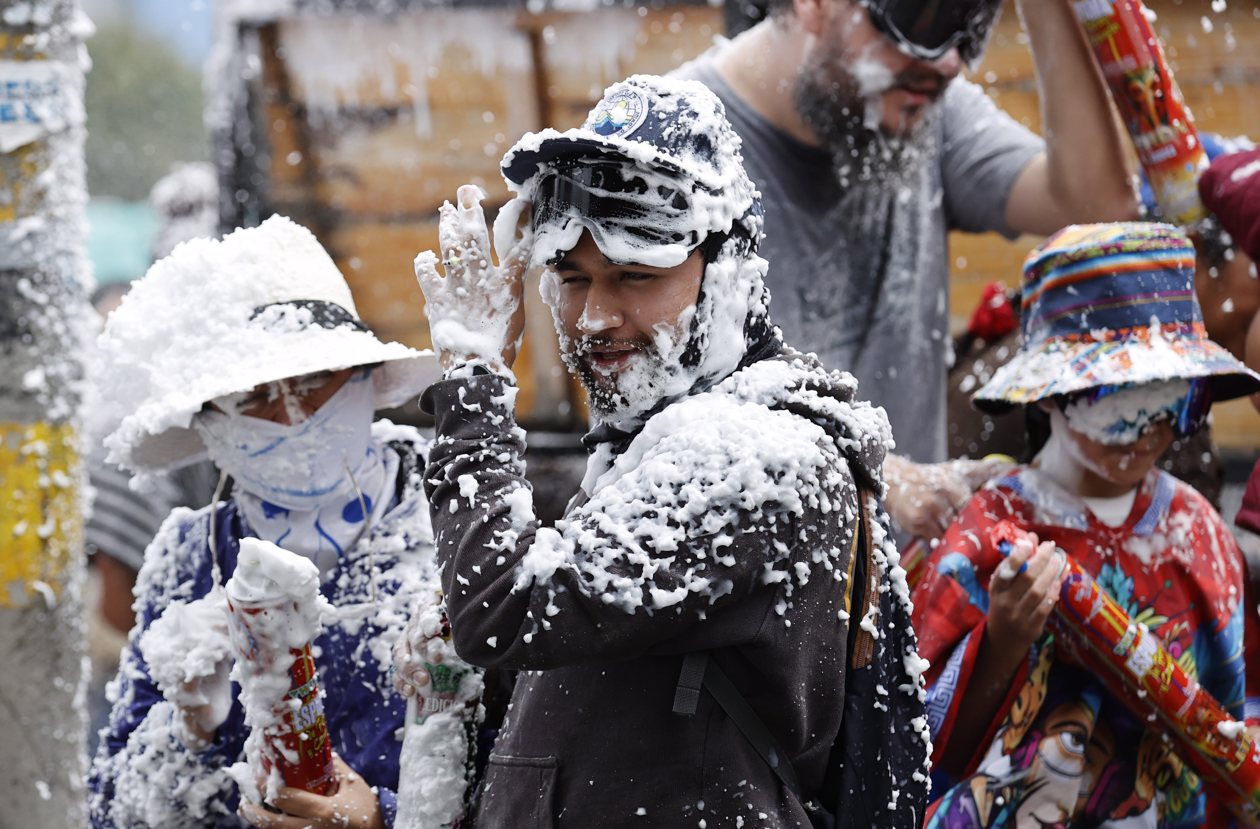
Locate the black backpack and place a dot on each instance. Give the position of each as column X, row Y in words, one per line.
column 877, row 776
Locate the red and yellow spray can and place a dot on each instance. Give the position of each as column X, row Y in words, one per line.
column 299, row 742
column 1162, row 128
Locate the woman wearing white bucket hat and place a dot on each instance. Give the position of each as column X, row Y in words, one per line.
column 249, row 350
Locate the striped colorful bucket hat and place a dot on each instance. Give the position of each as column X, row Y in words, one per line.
column 1110, row 304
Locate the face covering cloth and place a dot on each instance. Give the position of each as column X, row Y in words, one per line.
column 296, row 483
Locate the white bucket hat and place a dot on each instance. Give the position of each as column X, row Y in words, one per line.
column 218, row 317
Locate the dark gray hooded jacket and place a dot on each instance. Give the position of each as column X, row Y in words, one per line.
column 726, row 525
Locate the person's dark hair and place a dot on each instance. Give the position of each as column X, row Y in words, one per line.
column 1037, row 430
column 1211, row 243
column 774, row 8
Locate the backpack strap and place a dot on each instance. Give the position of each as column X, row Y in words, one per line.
column 699, row 671
column 699, row 667
column 690, row 680
column 863, row 576
column 861, row 642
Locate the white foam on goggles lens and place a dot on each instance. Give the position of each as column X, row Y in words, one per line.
column 1120, row 417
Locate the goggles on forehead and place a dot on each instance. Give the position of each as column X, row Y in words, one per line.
column 1186, row 414
column 927, row 29
column 621, row 206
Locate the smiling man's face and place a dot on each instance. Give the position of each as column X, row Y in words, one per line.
column 622, row 326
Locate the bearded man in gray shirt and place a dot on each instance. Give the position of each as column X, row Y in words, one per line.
column 867, row 148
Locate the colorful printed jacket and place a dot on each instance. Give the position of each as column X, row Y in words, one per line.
column 143, row 776
column 1062, row 750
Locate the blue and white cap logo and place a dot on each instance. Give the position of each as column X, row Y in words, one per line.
column 620, row 114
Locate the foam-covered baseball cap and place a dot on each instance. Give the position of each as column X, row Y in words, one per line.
column 676, row 133
column 668, row 123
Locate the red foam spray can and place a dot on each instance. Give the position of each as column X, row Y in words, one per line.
column 263, row 625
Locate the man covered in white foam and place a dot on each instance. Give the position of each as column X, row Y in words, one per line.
column 249, row 350
column 719, row 529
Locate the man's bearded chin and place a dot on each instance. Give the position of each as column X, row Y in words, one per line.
column 629, row 391
column 847, row 118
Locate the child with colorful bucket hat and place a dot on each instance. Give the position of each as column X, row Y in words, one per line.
column 1114, row 353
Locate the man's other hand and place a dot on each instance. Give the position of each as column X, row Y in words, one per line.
column 923, row 498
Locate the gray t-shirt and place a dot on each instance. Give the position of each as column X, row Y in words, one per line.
column 861, row 276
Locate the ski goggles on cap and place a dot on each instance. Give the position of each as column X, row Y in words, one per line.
column 625, row 208
column 1136, row 410
column 927, row 29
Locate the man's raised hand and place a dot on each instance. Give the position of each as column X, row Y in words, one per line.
column 475, row 311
